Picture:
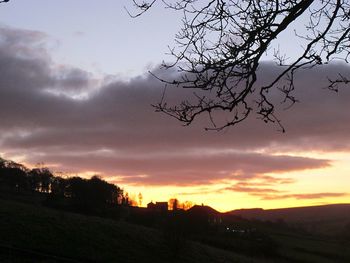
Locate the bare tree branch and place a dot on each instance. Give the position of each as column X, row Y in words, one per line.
column 221, row 44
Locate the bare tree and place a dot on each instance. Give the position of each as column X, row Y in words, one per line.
column 140, row 198
column 173, row 204
column 222, row 43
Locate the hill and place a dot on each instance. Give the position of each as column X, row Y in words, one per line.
column 324, row 219
column 39, row 222
column 32, row 233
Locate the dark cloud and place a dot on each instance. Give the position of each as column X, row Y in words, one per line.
column 73, row 81
column 62, row 116
column 186, row 169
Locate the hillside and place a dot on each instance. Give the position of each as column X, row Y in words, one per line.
column 325, row 219
column 30, row 233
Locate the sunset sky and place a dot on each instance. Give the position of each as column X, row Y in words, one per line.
column 75, row 94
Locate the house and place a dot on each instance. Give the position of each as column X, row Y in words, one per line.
column 158, row 206
column 205, row 213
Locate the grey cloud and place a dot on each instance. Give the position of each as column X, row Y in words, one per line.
column 185, row 169
column 74, row 80
column 116, row 118
column 23, row 43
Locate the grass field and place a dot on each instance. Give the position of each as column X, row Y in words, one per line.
column 32, row 233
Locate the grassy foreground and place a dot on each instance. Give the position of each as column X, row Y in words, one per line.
column 32, row 233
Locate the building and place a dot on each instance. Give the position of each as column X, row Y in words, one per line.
column 158, row 206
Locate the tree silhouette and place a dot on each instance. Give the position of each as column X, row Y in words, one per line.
column 140, row 198
column 95, row 192
column 58, row 186
column 173, row 204
column 222, row 43
column 40, row 179
column 187, row 205
column 13, row 176
column 93, row 196
column 101, row 192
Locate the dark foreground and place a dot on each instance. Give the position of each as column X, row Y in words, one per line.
column 30, row 232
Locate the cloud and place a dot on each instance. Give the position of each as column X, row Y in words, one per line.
column 187, row 169
column 63, row 116
column 303, row 196
column 257, row 186
column 258, row 189
column 252, row 190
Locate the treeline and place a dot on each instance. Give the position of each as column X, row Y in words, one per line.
column 74, row 191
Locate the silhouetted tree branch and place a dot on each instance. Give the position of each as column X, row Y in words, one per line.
column 221, row 45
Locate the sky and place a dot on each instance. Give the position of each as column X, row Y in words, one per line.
column 75, row 94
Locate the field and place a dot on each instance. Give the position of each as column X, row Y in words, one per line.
column 32, row 233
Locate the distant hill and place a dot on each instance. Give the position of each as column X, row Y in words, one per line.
column 323, row 219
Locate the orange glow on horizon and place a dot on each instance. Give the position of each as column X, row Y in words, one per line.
column 325, row 180
column 307, row 189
